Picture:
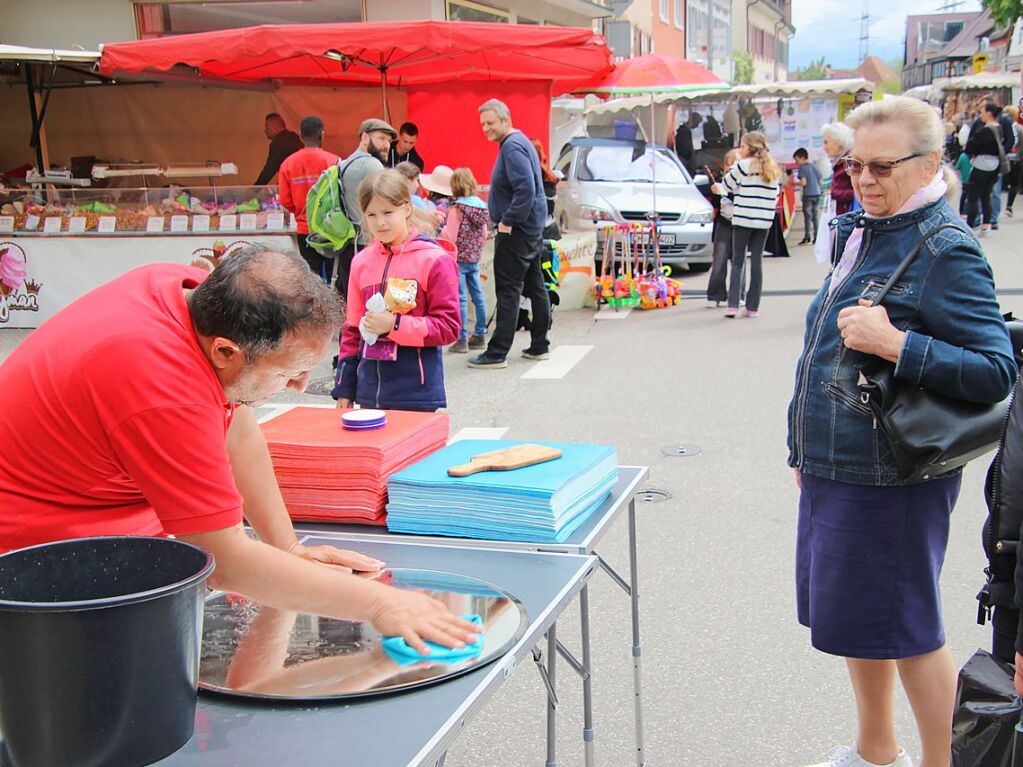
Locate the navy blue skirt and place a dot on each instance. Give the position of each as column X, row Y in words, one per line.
column 868, row 561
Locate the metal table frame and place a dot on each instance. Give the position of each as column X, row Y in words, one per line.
column 349, row 733
column 583, row 541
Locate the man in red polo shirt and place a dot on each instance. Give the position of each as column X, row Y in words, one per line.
column 125, row 414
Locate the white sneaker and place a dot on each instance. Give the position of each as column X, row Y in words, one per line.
column 848, row 756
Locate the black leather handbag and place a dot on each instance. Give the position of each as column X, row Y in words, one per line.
column 930, row 434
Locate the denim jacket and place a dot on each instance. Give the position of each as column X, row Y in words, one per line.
column 956, row 341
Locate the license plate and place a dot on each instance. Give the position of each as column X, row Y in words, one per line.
column 662, row 239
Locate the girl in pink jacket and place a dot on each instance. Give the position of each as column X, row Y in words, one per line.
column 391, row 358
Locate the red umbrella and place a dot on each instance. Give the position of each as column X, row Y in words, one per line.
column 653, row 73
column 402, row 53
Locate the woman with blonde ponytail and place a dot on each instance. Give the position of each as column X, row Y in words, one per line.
column 754, row 181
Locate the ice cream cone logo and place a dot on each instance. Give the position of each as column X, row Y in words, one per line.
column 17, row 292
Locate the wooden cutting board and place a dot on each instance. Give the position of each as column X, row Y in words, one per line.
column 505, row 460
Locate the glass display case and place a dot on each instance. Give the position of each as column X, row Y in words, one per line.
column 169, row 209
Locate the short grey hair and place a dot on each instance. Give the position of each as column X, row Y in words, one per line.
column 920, row 124
column 840, row 133
column 257, row 297
column 498, row 107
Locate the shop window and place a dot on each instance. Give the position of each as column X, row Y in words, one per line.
column 464, row 10
column 177, row 18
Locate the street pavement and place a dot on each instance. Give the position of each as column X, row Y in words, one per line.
column 729, row 676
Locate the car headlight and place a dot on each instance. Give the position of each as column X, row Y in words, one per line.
column 594, row 213
column 704, row 217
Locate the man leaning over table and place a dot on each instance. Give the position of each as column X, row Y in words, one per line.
column 128, row 413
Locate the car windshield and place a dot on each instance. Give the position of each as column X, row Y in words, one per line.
column 629, row 162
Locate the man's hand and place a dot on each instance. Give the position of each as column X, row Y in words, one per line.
column 415, row 617
column 343, row 404
column 504, row 228
column 348, row 561
column 378, row 322
column 867, row 329
column 799, row 479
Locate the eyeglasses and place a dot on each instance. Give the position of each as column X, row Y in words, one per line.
column 878, row 168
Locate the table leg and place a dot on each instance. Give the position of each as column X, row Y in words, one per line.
column 552, row 711
column 584, row 620
column 637, row 650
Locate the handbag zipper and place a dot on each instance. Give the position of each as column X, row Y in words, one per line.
column 815, row 339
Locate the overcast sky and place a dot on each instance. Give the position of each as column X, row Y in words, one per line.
column 831, row 28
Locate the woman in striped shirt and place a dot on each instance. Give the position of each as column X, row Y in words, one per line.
column 754, row 180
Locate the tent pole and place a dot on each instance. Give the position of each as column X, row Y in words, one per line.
column 36, row 141
column 383, row 93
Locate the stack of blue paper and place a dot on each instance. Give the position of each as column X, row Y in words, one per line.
column 545, row 502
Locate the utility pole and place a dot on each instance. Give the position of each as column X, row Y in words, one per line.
column 865, row 31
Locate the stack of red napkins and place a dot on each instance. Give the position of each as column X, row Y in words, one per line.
column 331, row 474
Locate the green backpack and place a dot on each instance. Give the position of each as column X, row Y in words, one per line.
column 330, row 229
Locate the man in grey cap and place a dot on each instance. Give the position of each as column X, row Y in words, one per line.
column 375, row 138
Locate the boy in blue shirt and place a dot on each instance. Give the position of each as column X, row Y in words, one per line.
column 810, row 180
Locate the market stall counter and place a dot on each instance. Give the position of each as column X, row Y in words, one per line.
column 58, row 245
column 583, row 541
column 413, row 728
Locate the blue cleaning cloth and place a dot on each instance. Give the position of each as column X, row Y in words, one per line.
column 398, row 650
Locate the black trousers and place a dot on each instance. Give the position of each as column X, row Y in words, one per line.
column 981, row 184
column 1004, row 625
column 517, row 272
column 344, row 267
column 321, row 265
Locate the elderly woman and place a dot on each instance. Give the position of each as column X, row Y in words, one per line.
column 870, row 547
column 838, row 139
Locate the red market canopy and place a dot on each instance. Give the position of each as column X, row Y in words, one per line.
column 653, row 74
column 392, row 54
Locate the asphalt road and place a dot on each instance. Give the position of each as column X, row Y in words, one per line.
column 730, row 678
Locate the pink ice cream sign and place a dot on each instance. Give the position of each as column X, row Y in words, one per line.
column 17, row 292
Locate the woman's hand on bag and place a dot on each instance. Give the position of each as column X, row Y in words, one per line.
column 866, row 328
column 343, row 404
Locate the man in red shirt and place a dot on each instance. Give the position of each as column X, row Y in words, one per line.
column 125, row 414
column 296, row 177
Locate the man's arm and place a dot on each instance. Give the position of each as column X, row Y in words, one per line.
column 277, row 579
column 263, row 504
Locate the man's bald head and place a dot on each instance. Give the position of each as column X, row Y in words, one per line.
column 273, row 124
column 257, row 297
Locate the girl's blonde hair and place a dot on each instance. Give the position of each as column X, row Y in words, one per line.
column 756, row 143
column 389, row 184
column 463, row 183
column 730, row 157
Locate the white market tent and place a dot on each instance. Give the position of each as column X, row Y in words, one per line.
column 981, row 81
column 47, row 55
column 785, row 89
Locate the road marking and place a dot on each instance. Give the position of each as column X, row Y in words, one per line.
column 611, row 314
column 479, row 432
column 563, row 359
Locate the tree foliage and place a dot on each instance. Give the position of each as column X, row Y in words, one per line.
column 1004, row 12
column 815, row 70
column 743, row 67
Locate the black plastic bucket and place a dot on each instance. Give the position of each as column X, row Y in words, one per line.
column 99, row 650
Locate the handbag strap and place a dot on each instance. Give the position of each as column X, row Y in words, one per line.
column 902, row 267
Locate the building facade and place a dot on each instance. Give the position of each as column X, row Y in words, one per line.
column 709, row 35
column 764, row 29
column 941, row 45
column 70, row 23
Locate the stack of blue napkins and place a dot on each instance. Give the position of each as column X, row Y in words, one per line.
column 545, row 502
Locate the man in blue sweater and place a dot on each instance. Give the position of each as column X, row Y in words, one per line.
column 518, row 205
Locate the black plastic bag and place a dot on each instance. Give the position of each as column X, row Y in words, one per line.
column 987, row 711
